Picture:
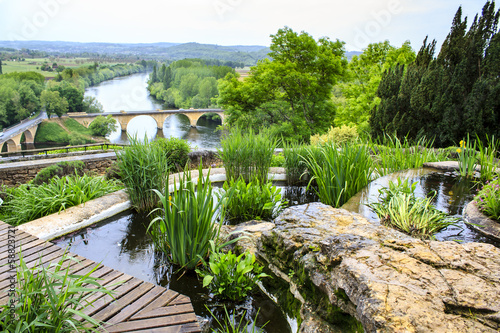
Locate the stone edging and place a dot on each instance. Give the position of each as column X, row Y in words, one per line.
column 481, row 222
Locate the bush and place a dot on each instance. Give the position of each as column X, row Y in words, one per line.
column 176, row 150
column 229, row 276
column 49, row 299
column 143, row 167
column 253, row 200
column 60, row 169
column 28, row 202
column 102, row 126
column 488, row 199
column 336, row 135
column 399, row 208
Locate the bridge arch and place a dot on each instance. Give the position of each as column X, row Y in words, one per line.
column 9, row 145
column 208, row 114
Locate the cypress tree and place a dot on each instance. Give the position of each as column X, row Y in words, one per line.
column 1, row 72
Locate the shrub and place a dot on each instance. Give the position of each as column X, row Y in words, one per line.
column 60, row 169
column 488, row 199
column 278, row 161
column 49, row 299
column 253, row 200
column 143, row 167
column 176, row 150
column 102, row 126
column 28, row 202
column 399, row 208
column 339, row 171
column 229, row 276
column 247, row 155
column 187, row 220
column 336, row 135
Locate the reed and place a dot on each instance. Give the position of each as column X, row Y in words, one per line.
column 339, row 171
column 143, row 167
column 487, row 157
column 294, row 163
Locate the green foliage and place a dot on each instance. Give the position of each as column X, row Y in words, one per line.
column 102, row 126
column 253, row 200
column 187, row 220
column 29, row 202
column 60, row 169
column 54, row 103
column 278, row 161
column 488, row 199
column 339, row 171
column 292, row 94
column 143, row 167
column 229, row 276
column 71, row 94
column 401, row 209
column 467, row 161
column 359, row 86
column 447, row 97
column 391, row 154
column 230, row 324
column 92, row 105
column 336, row 135
column 176, row 150
column 187, row 83
column 487, row 157
column 294, row 163
column 247, row 155
column 49, row 299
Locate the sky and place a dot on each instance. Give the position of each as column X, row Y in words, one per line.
column 231, row 22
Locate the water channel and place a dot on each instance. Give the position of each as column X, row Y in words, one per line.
column 129, row 93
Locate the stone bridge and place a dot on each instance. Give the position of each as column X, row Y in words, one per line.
column 26, row 129
column 124, row 117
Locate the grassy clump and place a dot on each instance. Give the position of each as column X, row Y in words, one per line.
column 392, row 154
column 488, row 199
column 187, row 220
column 339, row 171
column 143, row 167
column 49, row 298
column 399, row 208
column 294, row 163
column 247, row 155
column 176, row 150
column 60, row 169
column 75, row 127
column 51, row 132
column 253, row 200
column 29, row 202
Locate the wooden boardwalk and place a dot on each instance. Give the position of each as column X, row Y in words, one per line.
column 138, row 306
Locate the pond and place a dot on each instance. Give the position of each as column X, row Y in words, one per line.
column 122, row 243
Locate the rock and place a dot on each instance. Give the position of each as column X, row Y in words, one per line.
column 387, row 280
column 481, row 222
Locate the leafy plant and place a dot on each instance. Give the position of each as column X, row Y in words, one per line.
column 488, row 199
column 247, row 155
column 487, row 157
column 253, row 200
column 467, row 161
column 339, row 171
column 336, row 135
column 102, row 126
column 27, row 202
column 143, row 166
column 176, row 150
column 49, row 299
column 231, row 325
column 294, row 164
column 60, row 169
column 398, row 207
column 187, row 220
column 229, row 276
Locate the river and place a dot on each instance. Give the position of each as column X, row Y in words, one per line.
column 129, row 93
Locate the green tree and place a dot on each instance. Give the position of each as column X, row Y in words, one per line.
column 91, row 105
column 102, row 126
column 54, row 103
column 72, row 94
column 1, row 72
column 292, row 93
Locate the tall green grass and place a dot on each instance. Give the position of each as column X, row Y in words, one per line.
column 247, row 155
column 29, row 202
column 49, row 298
column 187, row 220
column 488, row 157
column 467, row 159
column 339, row 171
column 294, row 164
column 143, row 167
column 391, row 154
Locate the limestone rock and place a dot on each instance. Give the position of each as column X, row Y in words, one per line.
column 389, row 281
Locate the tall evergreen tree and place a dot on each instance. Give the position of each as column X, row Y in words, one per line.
column 1, row 72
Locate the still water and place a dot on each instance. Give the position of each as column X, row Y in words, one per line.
column 129, row 93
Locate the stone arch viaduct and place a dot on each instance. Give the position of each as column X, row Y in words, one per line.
column 124, row 117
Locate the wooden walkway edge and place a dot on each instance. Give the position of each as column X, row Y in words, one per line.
column 139, row 306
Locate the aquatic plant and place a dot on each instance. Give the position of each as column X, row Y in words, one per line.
column 467, row 160
column 488, row 199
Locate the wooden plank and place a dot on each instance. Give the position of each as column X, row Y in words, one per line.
column 161, row 301
column 168, row 310
column 123, row 301
column 184, row 328
column 142, row 324
column 137, row 305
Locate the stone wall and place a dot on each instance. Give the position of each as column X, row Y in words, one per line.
column 20, row 174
